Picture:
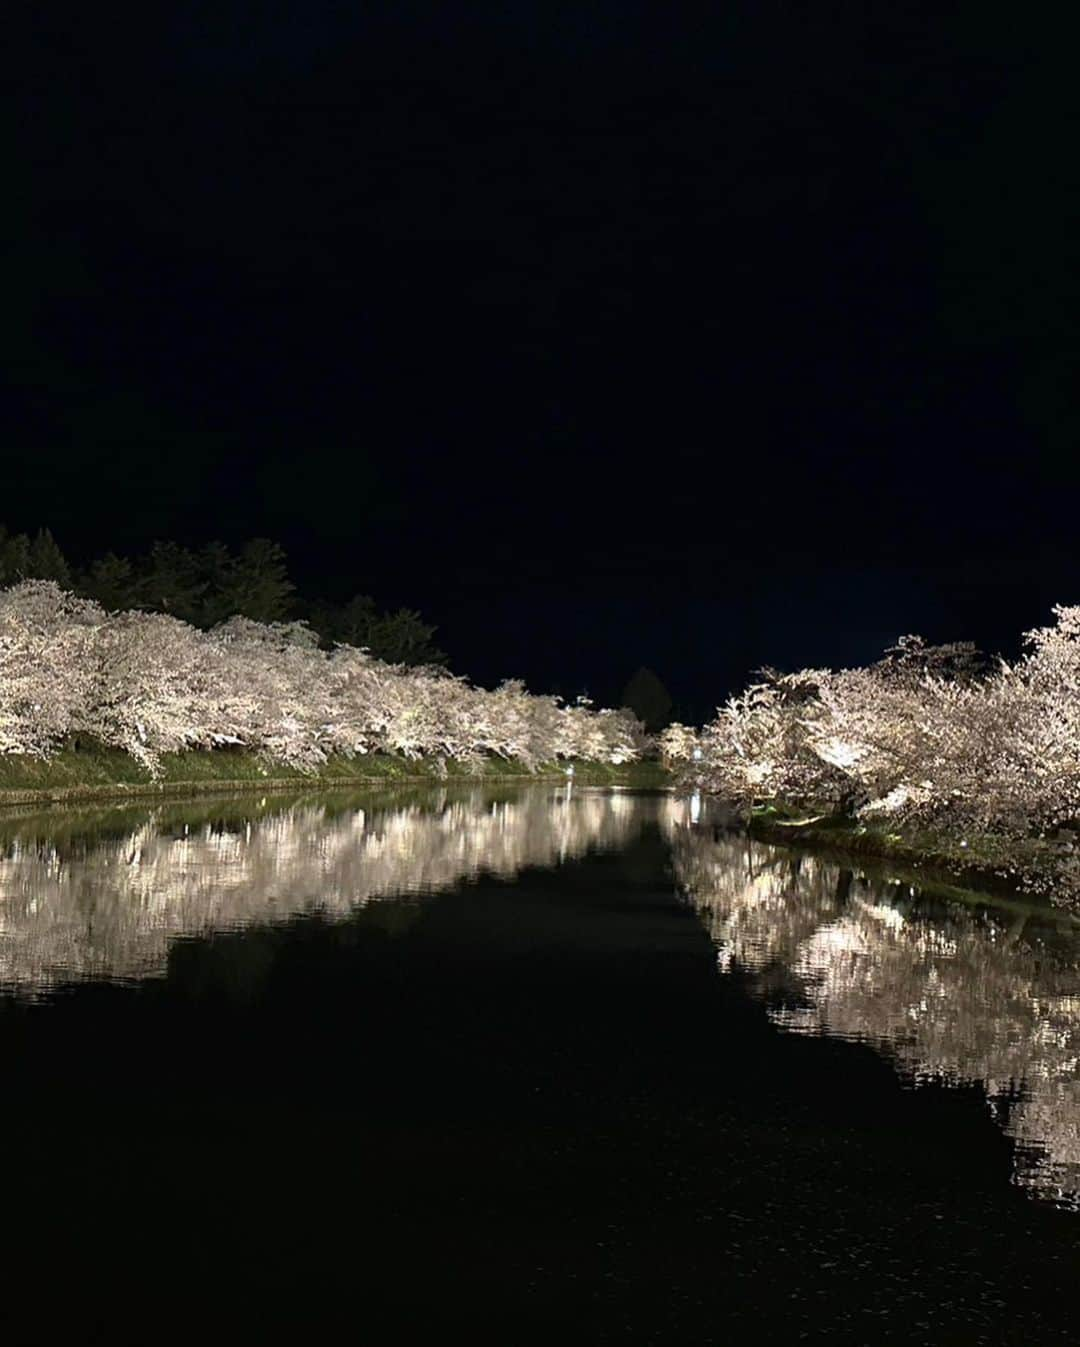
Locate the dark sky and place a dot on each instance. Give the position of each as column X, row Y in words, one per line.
column 702, row 336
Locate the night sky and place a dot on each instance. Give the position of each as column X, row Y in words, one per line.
column 699, row 336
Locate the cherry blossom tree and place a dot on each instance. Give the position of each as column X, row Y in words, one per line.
column 46, row 635
column 151, row 684
column 929, row 733
column 678, row 743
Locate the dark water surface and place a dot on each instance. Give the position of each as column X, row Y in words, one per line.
column 527, row 1067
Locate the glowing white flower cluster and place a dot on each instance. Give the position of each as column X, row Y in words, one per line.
column 922, row 734
column 150, row 684
column 678, row 744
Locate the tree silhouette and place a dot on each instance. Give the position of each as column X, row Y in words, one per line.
column 256, row 584
column 210, row 585
column 109, row 581
column 14, row 556
column 46, row 561
column 401, row 637
column 649, row 700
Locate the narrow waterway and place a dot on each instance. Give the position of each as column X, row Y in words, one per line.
column 526, row 1064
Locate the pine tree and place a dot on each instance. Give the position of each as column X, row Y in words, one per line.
column 403, row 637
column 170, row 582
column 257, row 584
column 649, row 700
column 111, row 581
column 214, row 565
column 355, row 619
column 46, row 561
column 14, row 557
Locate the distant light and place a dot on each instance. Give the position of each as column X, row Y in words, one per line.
column 570, row 771
column 697, row 754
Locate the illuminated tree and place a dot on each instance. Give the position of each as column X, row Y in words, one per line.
column 150, row 683
column 928, row 733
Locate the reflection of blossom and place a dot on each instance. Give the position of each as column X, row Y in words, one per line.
column 954, row 992
column 112, row 909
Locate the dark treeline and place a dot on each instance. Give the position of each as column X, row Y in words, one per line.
column 206, row 585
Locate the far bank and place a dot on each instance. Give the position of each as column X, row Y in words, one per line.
column 73, row 775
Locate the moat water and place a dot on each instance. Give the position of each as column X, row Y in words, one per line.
column 525, row 1064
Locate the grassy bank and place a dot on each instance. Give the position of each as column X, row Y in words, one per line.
column 99, row 773
column 972, row 861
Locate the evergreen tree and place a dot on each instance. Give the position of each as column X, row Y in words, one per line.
column 257, row 584
column 170, row 582
column 14, row 557
column 213, row 565
column 353, row 622
column 649, row 700
column 404, row 637
column 46, row 561
column 211, row 585
column 401, row 637
column 111, row 581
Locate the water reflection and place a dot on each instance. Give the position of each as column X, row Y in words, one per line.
column 104, row 895
column 966, row 991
